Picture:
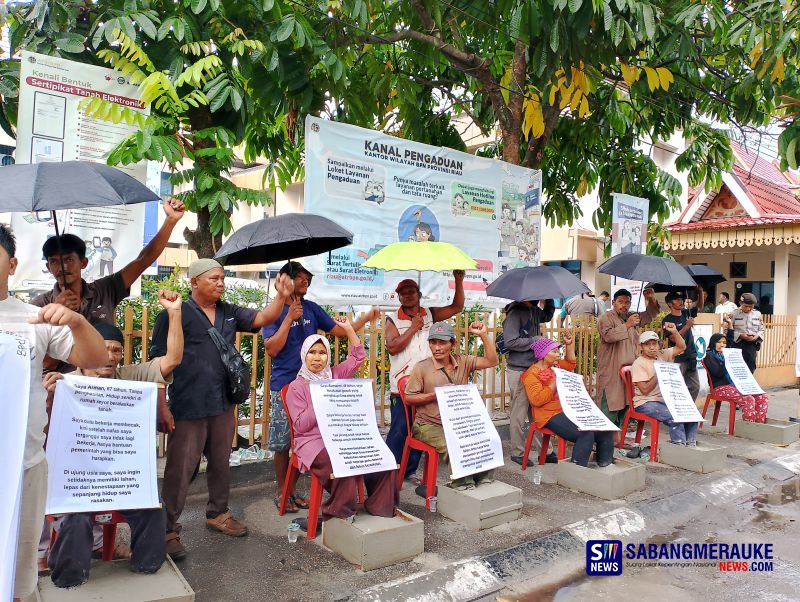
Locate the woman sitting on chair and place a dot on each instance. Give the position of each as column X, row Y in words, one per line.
column 308, row 444
column 754, row 407
column 540, row 385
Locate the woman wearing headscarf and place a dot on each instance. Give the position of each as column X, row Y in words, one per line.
column 308, row 444
column 754, row 407
column 540, row 385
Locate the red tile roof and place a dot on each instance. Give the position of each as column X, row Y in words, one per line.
column 735, row 222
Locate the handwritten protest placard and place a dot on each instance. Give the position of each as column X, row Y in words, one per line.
column 676, row 396
column 345, row 411
column 473, row 443
column 15, row 376
column 740, row 374
column 101, row 448
column 578, row 405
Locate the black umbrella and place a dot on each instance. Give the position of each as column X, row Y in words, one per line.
column 702, row 275
column 648, row 268
column 541, row 282
column 283, row 237
column 68, row 185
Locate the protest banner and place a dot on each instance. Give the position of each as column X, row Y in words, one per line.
column 629, row 219
column 101, row 447
column 52, row 127
column 739, row 373
column 473, row 443
column 345, row 411
column 386, row 189
column 15, row 360
column 676, row 396
column 578, row 405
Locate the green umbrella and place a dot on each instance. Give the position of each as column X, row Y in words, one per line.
column 421, row 256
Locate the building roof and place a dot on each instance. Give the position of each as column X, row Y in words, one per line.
column 755, row 193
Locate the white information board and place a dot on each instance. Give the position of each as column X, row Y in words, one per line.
column 101, row 447
column 739, row 373
column 676, row 396
column 345, row 410
column 15, row 376
column 473, row 443
column 578, row 405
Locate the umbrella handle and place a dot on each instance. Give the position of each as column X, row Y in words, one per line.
column 60, row 253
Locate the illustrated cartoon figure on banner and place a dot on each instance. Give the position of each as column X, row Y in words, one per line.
column 418, row 224
column 373, row 191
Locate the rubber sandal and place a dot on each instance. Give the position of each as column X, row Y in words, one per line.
column 291, row 507
column 300, row 502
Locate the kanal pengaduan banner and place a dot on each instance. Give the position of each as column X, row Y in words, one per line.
column 386, row 189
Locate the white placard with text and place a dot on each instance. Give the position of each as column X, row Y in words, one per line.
column 675, row 393
column 473, row 443
column 345, row 411
column 578, row 405
column 101, row 447
column 740, row 374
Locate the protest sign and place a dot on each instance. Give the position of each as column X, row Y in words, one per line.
column 473, row 443
column 101, row 447
column 386, row 189
column 52, row 127
column 740, row 374
column 15, row 376
column 676, row 396
column 578, row 405
column 345, row 410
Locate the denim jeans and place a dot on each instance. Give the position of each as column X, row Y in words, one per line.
column 679, row 432
column 396, row 437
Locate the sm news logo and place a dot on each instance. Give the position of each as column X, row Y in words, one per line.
column 603, row 557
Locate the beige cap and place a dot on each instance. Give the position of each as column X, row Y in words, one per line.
column 201, row 266
column 647, row 335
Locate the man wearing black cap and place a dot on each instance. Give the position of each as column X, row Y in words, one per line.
column 283, row 339
column 70, row 556
column 683, row 321
column 748, row 329
column 407, row 343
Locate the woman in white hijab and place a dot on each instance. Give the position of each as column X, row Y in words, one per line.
column 308, row 444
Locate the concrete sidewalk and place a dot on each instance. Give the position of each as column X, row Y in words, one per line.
column 459, row 564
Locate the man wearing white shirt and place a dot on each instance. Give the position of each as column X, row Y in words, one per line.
column 725, row 305
column 63, row 334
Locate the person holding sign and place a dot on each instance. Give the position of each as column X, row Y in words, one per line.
column 541, row 387
column 315, row 354
column 71, row 554
column 682, row 318
column 647, row 397
column 64, row 335
column 441, row 369
column 754, row 407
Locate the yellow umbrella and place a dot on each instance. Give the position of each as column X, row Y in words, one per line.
column 421, row 256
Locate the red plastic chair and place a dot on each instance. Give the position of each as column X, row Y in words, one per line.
column 108, row 521
column 431, row 456
column 315, row 496
column 625, row 375
column 546, row 434
column 717, row 403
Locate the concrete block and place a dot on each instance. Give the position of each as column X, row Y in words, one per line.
column 777, row 432
column 115, row 581
column 486, row 506
column 373, row 542
column 611, row 482
column 704, row 458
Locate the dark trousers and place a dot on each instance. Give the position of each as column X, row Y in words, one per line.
column 71, row 554
column 382, row 494
column 186, row 444
column 584, row 440
column 691, row 377
column 748, row 353
column 396, row 437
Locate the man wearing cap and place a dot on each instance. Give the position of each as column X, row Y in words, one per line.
column 298, row 319
column 441, row 369
column 71, row 553
column 647, row 397
column 521, row 328
column 683, row 321
column 199, row 399
column 407, row 343
column 617, row 346
column 748, row 329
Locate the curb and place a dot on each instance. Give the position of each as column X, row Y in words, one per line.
column 481, row 576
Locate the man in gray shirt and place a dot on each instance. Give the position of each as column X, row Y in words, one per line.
column 520, row 330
